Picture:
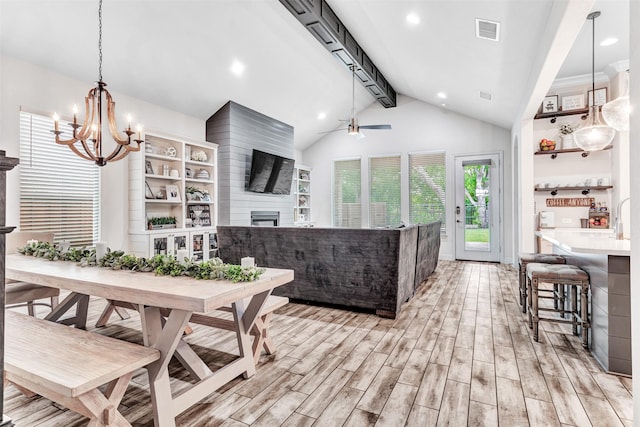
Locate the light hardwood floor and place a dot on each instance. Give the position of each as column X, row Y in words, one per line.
column 460, row 353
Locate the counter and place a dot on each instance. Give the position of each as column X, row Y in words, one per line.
column 607, row 261
column 585, row 240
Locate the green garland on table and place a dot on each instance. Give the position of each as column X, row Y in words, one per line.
column 161, row 265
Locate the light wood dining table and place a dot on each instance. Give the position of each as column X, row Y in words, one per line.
column 155, row 295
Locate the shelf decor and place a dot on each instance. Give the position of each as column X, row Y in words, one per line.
column 200, row 215
column 572, row 102
column 570, row 202
column 550, row 104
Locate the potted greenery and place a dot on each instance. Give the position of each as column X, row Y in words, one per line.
column 196, row 194
column 161, row 222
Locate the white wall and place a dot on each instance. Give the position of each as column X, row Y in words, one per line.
column 39, row 90
column 417, row 127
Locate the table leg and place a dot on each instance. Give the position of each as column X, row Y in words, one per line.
column 244, row 319
column 81, row 301
column 166, row 340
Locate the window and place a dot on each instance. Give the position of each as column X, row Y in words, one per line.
column 346, row 193
column 384, row 191
column 427, row 185
column 59, row 191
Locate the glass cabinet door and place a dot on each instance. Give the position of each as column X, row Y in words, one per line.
column 159, row 244
column 167, row 244
column 179, row 242
column 197, row 246
column 212, row 245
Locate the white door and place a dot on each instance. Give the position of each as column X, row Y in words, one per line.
column 477, row 210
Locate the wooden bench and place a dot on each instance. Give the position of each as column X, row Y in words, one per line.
column 260, row 331
column 67, row 365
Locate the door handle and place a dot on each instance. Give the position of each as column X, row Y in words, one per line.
column 458, row 211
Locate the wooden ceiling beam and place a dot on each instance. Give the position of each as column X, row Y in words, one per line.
column 326, row 27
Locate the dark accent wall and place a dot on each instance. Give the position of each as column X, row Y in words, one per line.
column 238, row 130
column 321, row 21
column 353, row 267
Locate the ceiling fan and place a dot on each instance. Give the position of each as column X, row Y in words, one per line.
column 353, row 128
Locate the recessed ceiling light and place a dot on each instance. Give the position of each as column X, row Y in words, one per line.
column 237, row 68
column 442, row 95
column 609, row 41
column 322, row 115
column 413, row 18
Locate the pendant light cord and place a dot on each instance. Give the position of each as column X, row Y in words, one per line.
column 593, row 59
column 100, row 41
column 353, row 90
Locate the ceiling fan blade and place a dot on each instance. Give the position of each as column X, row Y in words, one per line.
column 375, row 126
column 329, row 131
column 360, row 135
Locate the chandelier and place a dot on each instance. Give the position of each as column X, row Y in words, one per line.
column 594, row 135
column 86, row 140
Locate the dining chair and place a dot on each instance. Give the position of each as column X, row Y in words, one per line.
column 20, row 294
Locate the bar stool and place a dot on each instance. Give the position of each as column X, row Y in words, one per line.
column 526, row 258
column 563, row 275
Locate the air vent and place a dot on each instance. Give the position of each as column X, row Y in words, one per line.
column 486, row 95
column 487, row 30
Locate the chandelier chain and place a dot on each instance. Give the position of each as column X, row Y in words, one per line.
column 100, row 41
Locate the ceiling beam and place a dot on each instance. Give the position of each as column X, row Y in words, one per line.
column 326, row 27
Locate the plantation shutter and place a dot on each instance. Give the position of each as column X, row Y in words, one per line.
column 347, row 193
column 59, row 191
column 427, row 185
column 384, row 191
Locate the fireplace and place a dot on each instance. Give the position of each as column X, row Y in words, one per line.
column 265, row 218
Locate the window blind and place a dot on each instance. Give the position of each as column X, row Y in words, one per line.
column 384, row 191
column 59, row 191
column 347, row 193
column 427, row 186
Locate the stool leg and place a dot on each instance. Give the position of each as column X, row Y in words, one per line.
column 556, row 288
column 574, row 308
column 533, row 310
column 522, row 288
column 529, row 301
column 563, row 297
column 585, row 315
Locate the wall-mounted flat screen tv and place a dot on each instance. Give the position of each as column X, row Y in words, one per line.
column 270, row 173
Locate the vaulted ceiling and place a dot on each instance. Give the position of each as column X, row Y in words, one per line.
column 178, row 54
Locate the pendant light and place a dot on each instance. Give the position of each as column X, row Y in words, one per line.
column 594, row 135
column 616, row 112
column 86, row 139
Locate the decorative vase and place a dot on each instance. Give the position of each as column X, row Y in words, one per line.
column 567, row 141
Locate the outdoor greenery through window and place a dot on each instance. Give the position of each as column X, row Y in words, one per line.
column 384, row 191
column 476, row 203
column 427, row 186
column 59, row 191
column 346, row 193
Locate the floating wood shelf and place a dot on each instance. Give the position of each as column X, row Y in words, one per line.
column 583, row 189
column 583, row 111
column 554, row 153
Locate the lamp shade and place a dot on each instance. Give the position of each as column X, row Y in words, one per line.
column 616, row 113
column 594, row 135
